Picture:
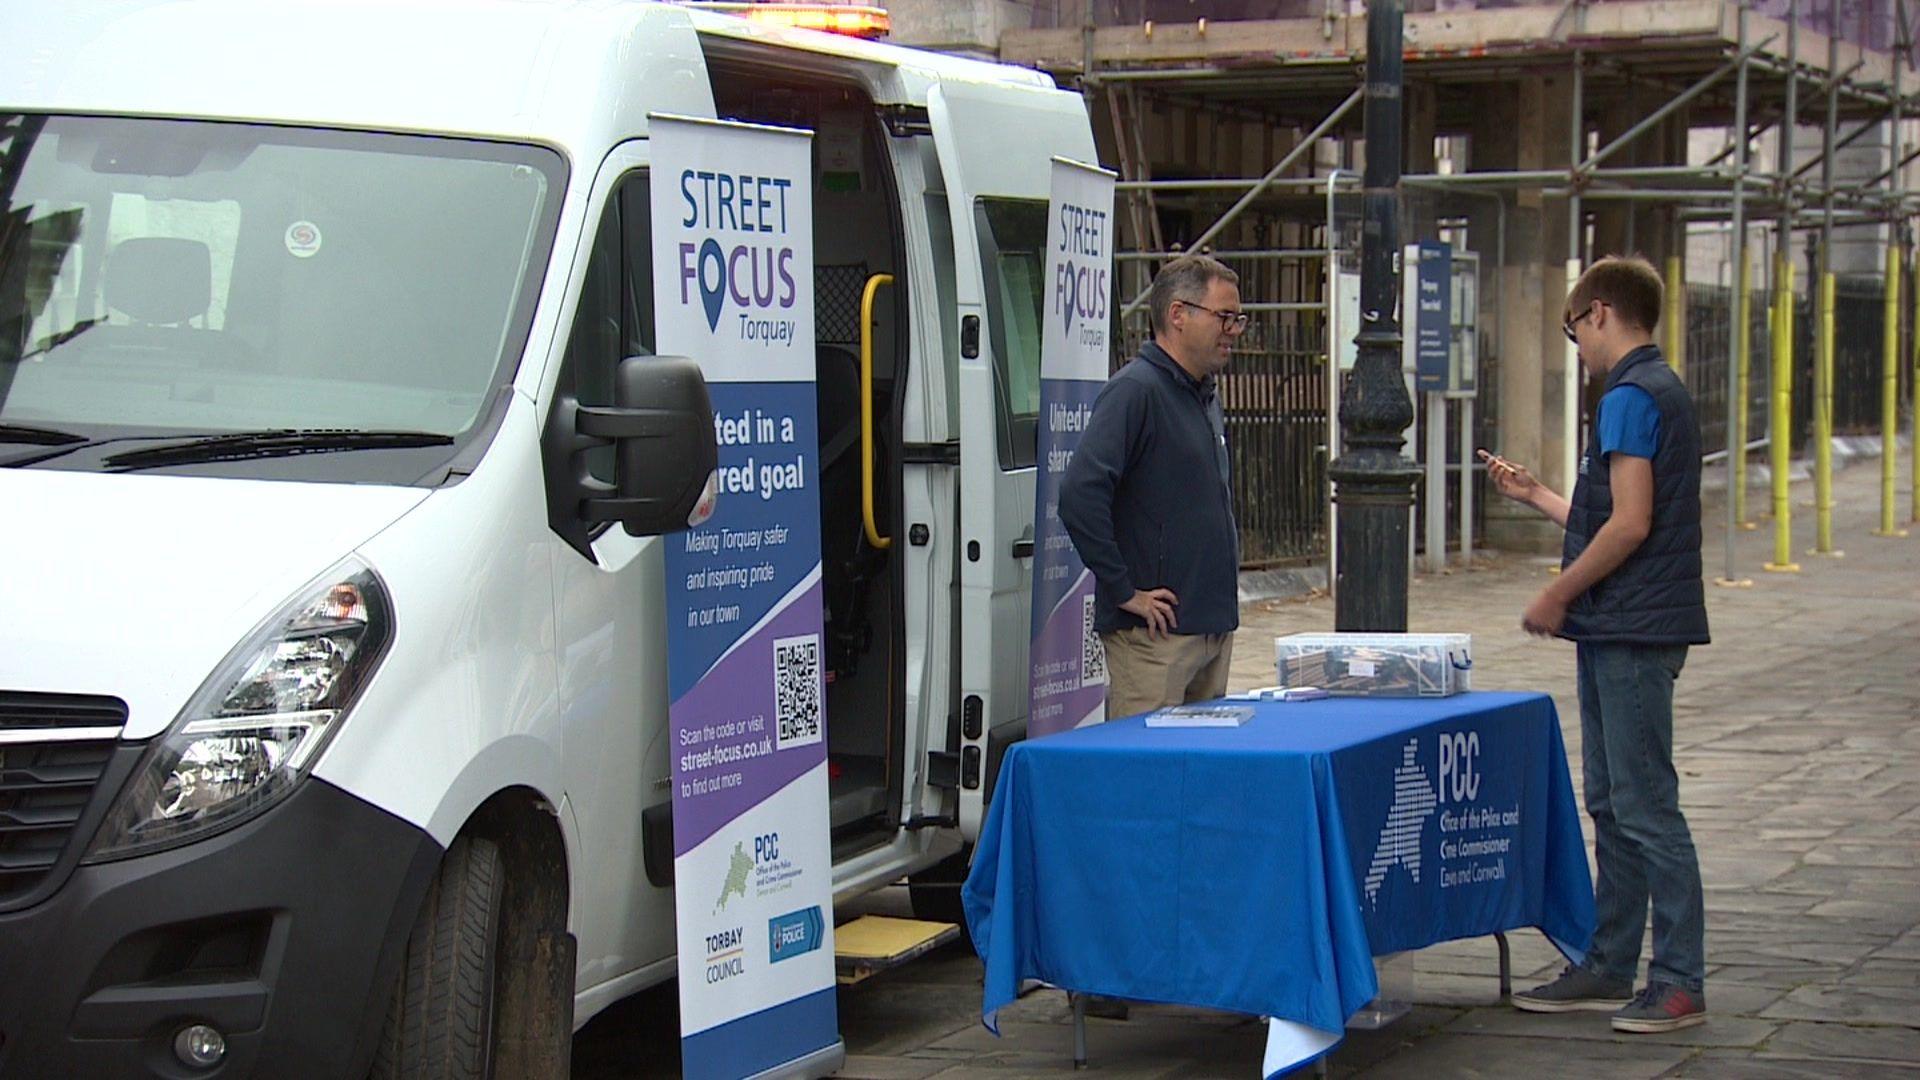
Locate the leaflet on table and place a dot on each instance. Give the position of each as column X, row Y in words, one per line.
column 1188, row 716
column 753, row 893
column 1279, row 693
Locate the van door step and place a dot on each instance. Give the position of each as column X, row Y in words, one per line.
column 871, row 944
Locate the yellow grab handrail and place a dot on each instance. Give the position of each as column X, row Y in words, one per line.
column 866, row 410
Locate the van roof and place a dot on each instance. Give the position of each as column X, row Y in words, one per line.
column 562, row 72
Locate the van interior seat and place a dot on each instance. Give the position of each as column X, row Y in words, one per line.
column 160, row 280
column 162, row 284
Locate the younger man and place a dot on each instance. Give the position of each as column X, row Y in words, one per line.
column 1630, row 597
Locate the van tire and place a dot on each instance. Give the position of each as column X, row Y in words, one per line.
column 440, row 1021
column 935, row 892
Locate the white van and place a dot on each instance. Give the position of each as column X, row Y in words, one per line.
column 332, row 689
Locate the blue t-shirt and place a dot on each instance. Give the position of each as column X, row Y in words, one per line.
column 1629, row 422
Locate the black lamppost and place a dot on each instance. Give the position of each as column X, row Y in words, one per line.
column 1373, row 481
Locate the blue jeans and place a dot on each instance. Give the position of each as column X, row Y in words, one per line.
column 1641, row 841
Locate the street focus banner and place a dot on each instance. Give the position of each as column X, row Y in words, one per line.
column 1069, row 670
column 753, row 889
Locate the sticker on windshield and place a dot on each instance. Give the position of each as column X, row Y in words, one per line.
column 303, row 239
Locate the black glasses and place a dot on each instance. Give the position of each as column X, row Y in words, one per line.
column 1567, row 327
column 1234, row 321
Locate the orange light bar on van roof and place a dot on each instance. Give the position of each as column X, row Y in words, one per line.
column 853, row 20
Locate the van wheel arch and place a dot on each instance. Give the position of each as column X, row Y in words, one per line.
column 503, row 891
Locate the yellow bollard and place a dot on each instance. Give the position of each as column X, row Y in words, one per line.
column 1823, row 424
column 1676, row 319
column 1890, row 395
column 1780, row 424
column 1742, row 350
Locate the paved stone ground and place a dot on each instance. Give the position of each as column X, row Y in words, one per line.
column 1798, row 737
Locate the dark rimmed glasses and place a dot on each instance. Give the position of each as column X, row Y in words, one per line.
column 1230, row 321
column 1567, row 327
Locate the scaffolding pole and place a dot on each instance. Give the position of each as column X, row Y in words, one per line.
column 1890, row 367
column 1841, row 144
column 1732, row 192
column 1904, row 44
column 1570, row 381
column 1780, row 393
column 1890, row 392
column 1780, row 423
column 1286, row 162
column 1674, row 341
column 1739, row 60
column 1823, row 352
column 1736, row 453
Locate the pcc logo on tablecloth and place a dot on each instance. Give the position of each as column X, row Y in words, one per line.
column 1413, row 803
column 1475, row 840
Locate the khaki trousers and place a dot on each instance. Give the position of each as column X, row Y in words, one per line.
column 1144, row 674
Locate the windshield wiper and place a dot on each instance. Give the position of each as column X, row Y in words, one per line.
column 63, row 337
column 38, row 436
column 245, row 445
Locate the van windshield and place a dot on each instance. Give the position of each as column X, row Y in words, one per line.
column 165, row 279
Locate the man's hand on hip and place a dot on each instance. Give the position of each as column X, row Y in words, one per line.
column 1156, row 607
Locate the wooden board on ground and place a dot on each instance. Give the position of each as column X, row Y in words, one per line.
column 873, row 943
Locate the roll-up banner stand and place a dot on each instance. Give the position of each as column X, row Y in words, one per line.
column 1069, row 669
column 753, row 866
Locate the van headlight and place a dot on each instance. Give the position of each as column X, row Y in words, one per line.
column 255, row 726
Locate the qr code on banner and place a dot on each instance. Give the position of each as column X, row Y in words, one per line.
column 1093, row 655
column 796, row 690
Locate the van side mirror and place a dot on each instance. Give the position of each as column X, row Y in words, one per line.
column 661, row 425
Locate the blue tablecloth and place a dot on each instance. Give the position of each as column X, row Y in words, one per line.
column 1259, row 869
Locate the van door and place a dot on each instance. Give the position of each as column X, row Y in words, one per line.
column 997, row 200
column 609, row 595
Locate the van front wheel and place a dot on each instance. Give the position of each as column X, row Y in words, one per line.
column 440, row 1023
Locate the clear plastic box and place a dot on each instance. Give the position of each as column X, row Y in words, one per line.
column 1377, row 665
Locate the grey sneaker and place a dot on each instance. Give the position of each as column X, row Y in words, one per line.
column 1576, row 990
column 1661, row 1007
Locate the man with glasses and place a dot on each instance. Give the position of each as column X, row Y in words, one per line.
column 1148, row 500
column 1631, row 598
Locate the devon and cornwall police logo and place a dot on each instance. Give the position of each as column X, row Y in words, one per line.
column 1414, row 801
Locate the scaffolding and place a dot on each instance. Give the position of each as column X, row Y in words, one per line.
column 1647, row 79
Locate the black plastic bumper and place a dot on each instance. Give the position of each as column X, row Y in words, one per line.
column 284, row 934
